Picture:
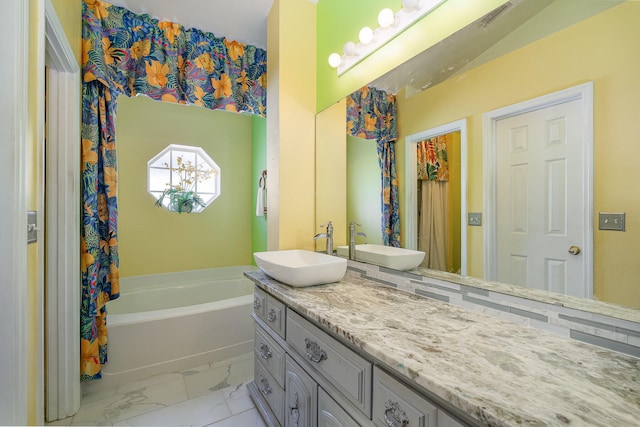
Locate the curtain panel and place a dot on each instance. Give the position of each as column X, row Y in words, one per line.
column 371, row 114
column 433, row 164
column 124, row 53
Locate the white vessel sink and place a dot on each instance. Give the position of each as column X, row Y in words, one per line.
column 298, row 268
column 385, row 256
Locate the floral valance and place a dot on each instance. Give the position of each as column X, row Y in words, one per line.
column 371, row 114
column 134, row 54
column 432, row 159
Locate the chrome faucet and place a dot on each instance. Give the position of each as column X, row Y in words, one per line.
column 352, row 239
column 328, row 235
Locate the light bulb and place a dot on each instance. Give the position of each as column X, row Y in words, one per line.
column 410, row 4
column 386, row 17
column 350, row 48
column 366, row 35
column 334, row 60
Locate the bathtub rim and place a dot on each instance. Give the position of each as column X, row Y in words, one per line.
column 115, row 320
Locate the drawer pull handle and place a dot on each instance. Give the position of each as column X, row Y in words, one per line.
column 264, row 386
column 272, row 315
column 265, row 351
column 256, row 303
column 295, row 412
column 394, row 415
column 314, row 352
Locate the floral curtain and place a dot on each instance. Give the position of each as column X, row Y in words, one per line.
column 371, row 114
column 124, row 53
column 432, row 159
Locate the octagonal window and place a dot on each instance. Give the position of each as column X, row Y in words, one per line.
column 183, row 179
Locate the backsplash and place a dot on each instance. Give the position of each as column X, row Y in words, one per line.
column 600, row 330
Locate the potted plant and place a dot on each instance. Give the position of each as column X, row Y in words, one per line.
column 182, row 196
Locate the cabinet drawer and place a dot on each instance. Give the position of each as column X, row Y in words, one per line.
column 348, row 372
column 275, row 316
column 259, row 302
column 272, row 392
column 269, row 310
column 331, row 414
column 396, row 404
column 270, row 354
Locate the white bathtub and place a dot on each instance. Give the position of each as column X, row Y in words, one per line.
column 168, row 322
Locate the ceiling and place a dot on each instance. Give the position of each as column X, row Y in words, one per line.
column 241, row 20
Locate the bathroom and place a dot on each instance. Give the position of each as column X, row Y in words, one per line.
column 296, row 215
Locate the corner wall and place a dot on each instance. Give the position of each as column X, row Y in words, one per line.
column 291, row 103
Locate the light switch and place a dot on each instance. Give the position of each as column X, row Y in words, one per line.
column 474, row 218
column 612, row 221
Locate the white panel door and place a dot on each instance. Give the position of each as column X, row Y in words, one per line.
column 540, row 205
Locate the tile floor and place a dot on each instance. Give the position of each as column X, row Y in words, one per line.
column 210, row 395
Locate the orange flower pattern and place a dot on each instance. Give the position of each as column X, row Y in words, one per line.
column 222, row 87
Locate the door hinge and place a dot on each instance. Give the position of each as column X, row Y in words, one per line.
column 32, row 226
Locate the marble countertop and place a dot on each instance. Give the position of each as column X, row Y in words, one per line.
column 497, row 372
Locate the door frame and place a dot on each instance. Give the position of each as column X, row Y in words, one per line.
column 411, row 176
column 14, row 134
column 62, row 234
column 583, row 93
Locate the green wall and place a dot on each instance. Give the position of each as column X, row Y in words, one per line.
column 154, row 240
column 258, row 164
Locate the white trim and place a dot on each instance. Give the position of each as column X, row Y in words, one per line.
column 583, row 92
column 63, row 219
column 14, row 29
column 411, row 200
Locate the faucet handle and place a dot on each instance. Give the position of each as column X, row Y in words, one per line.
column 327, row 224
column 355, row 223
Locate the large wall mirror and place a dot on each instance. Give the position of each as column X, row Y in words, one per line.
column 521, row 51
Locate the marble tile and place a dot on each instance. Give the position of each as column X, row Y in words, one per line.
column 201, row 411
column 135, row 399
column 249, row 418
column 238, row 397
column 223, row 375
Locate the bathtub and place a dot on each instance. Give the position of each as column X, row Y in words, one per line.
column 169, row 322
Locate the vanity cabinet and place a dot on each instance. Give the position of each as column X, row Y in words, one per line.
column 304, row 377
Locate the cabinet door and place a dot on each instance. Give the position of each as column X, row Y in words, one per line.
column 330, row 414
column 300, row 397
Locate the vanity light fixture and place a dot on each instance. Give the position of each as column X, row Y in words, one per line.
column 390, row 26
column 366, row 35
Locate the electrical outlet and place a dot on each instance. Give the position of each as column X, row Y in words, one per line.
column 474, row 218
column 612, row 221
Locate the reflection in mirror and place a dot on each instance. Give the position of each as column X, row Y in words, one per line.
column 529, row 49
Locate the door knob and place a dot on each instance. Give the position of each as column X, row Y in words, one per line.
column 574, row 250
